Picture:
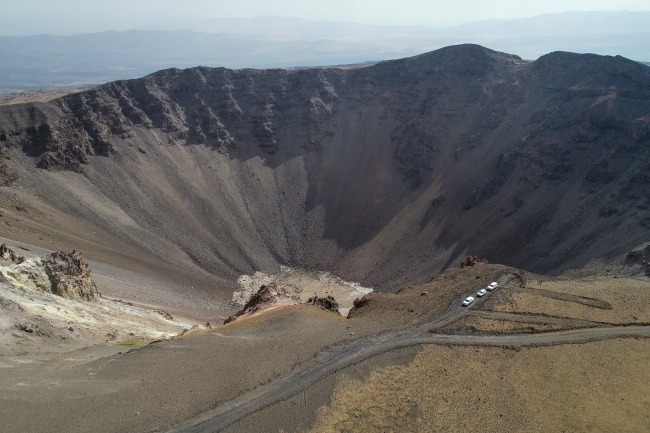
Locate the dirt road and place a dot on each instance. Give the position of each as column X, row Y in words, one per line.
column 225, row 415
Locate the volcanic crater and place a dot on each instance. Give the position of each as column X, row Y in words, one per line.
column 361, row 171
column 188, row 189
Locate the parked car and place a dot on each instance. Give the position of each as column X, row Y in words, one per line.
column 481, row 292
column 492, row 286
column 468, row 301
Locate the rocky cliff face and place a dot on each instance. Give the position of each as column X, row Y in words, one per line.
column 374, row 173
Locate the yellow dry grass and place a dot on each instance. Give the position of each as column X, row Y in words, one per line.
column 594, row 387
column 628, row 298
column 627, row 295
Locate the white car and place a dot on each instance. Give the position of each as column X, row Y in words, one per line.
column 481, row 292
column 492, row 286
column 468, row 301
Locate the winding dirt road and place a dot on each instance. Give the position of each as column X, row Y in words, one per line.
column 223, row 416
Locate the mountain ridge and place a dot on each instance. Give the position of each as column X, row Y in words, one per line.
column 382, row 174
column 90, row 58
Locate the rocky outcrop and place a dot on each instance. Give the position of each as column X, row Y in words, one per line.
column 62, row 274
column 70, row 276
column 8, row 254
column 359, row 303
column 472, row 261
column 267, row 295
column 50, row 305
column 327, row 303
column 640, row 259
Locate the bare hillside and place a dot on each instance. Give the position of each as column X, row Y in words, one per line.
column 359, row 171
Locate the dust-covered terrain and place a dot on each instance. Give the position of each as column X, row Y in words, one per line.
column 409, row 361
column 278, row 232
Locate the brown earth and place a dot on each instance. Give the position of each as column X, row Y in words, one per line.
column 154, row 388
column 579, row 387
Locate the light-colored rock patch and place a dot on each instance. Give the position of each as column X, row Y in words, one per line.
column 302, row 285
column 37, row 320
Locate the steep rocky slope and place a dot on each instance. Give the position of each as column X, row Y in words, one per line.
column 382, row 174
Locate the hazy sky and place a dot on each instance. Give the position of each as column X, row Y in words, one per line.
column 72, row 16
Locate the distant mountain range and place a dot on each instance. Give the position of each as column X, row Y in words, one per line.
column 43, row 61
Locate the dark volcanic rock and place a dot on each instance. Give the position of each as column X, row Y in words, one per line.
column 327, row 303
column 543, row 164
column 639, row 258
column 359, row 303
column 415, row 149
column 7, row 176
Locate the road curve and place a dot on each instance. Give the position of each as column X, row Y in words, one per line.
column 223, row 416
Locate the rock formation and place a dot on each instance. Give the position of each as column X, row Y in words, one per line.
column 70, row 276
column 65, row 275
column 266, row 296
column 638, row 258
column 359, row 303
column 327, row 303
column 9, row 254
column 472, row 261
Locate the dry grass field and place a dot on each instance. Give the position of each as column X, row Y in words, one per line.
column 596, row 387
column 628, row 298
